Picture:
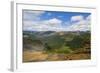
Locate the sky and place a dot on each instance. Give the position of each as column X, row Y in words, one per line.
column 55, row 21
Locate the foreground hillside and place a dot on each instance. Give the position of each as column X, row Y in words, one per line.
column 56, row 46
column 41, row 56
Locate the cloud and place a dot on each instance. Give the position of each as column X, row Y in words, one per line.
column 32, row 22
column 29, row 25
column 88, row 18
column 81, row 25
column 53, row 24
column 77, row 18
column 32, row 15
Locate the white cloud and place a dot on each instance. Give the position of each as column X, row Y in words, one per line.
column 55, row 24
column 51, row 24
column 32, row 15
column 81, row 25
column 77, row 18
column 33, row 12
column 88, row 17
column 28, row 25
column 31, row 21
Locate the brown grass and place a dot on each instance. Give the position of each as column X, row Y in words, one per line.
column 34, row 56
column 29, row 56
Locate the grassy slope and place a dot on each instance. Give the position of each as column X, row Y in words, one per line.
column 59, row 47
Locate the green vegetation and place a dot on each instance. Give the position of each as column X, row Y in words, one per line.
column 54, row 43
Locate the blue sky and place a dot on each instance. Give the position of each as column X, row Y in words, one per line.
column 55, row 20
column 64, row 16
